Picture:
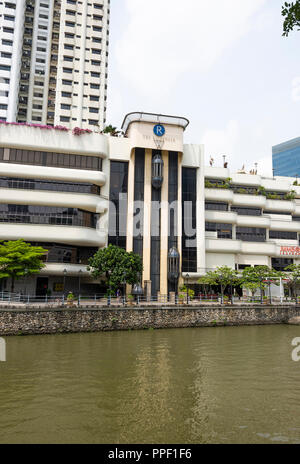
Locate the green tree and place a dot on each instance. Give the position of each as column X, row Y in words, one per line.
column 111, row 130
column 19, row 259
column 117, row 265
column 222, row 276
column 259, row 277
column 293, row 278
column 291, row 13
column 252, row 280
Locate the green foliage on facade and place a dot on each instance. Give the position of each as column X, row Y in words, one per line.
column 117, row 266
column 226, row 184
column 19, row 259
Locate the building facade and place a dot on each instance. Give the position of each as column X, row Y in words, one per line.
column 286, row 158
column 147, row 192
column 53, row 62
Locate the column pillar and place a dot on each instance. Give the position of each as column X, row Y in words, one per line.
column 147, row 215
column 164, row 235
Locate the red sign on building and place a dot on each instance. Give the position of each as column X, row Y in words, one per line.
column 290, row 251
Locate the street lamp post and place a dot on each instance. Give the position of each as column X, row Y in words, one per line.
column 187, row 288
column 124, row 290
column 173, row 269
column 65, row 274
column 79, row 285
column 109, row 290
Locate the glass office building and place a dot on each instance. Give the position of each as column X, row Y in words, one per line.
column 286, row 158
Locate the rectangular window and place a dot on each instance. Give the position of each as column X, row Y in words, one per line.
column 283, row 235
column 280, row 264
column 241, row 211
column 189, row 220
column 251, row 234
column 118, row 197
column 6, row 55
column 139, row 184
column 224, row 231
column 4, row 67
column 216, row 206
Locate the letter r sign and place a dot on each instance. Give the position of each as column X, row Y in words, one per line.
column 159, row 130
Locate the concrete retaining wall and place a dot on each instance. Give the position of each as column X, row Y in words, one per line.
column 28, row 321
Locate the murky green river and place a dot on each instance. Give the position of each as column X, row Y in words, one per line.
column 216, row 385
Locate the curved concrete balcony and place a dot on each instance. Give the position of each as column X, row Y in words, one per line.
column 253, row 201
column 247, row 180
column 237, row 246
column 297, row 209
column 92, row 203
column 69, row 235
column 285, row 243
column 277, row 185
column 45, row 173
column 55, row 269
column 224, row 195
column 223, row 246
column 35, row 138
column 253, row 221
column 224, row 217
column 286, row 226
column 280, row 205
column 259, row 248
column 216, row 173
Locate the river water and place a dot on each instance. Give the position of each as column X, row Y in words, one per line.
column 206, row 385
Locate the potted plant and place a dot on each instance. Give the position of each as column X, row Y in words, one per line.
column 130, row 299
column 181, row 297
column 191, row 294
column 70, row 299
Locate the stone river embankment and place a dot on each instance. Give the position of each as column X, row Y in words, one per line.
column 41, row 320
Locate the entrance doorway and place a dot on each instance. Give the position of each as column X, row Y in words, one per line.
column 42, row 286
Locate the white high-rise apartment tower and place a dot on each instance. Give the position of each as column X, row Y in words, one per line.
column 53, row 61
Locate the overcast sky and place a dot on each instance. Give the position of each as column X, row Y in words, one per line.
column 223, row 64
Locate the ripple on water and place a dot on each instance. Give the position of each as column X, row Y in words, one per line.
column 214, row 385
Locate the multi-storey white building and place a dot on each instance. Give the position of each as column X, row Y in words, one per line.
column 53, row 62
column 12, row 17
column 182, row 217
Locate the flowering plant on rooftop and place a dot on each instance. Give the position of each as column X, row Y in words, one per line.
column 76, row 130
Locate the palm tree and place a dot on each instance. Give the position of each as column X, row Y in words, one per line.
column 111, row 130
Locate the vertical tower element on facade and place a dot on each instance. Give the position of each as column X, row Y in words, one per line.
column 154, row 220
column 53, row 62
